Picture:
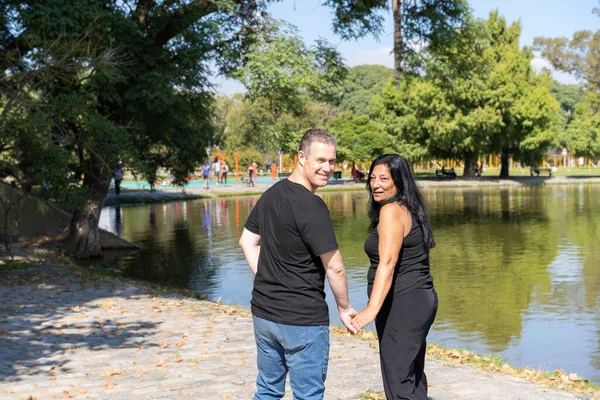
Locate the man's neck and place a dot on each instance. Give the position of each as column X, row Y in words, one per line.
column 298, row 178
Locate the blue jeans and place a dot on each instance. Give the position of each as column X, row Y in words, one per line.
column 301, row 350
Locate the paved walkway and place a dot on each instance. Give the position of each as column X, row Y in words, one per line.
column 63, row 336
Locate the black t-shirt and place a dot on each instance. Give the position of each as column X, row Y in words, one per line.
column 295, row 230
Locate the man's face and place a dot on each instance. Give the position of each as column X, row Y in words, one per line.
column 318, row 164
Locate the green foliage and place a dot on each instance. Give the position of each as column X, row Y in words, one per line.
column 248, row 156
column 419, row 21
column 254, row 124
column 362, row 83
column 568, row 96
column 579, row 56
column 280, row 67
column 583, row 133
column 358, row 138
column 477, row 95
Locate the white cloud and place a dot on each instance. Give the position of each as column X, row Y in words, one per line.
column 539, row 64
column 381, row 56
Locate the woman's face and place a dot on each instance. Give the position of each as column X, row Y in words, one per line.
column 382, row 184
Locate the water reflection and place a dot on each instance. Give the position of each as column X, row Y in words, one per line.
column 517, row 270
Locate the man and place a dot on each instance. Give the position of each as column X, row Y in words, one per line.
column 251, row 173
column 118, row 177
column 206, row 173
column 255, row 170
column 217, row 170
column 290, row 228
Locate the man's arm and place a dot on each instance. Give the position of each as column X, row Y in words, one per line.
column 250, row 244
column 336, row 275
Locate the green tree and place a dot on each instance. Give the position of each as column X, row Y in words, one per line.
column 579, row 56
column 479, row 94
column 417, row 21
column 582, row 136
column 280, row 67
column 137, row 87
column 358, row 138
column 568, row 95
column 529, row 113
column 362, row 83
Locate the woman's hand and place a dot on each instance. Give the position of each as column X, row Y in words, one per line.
column 363, row 318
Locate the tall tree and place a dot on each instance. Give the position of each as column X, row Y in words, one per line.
column 362, row 83
column 359, row 138
column 579, row 56
column 583, row 133
column 478, row 95
column 529, row 113
column 137, row 90
column 416, row 22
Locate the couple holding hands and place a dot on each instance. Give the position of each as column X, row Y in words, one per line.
column 290, row 245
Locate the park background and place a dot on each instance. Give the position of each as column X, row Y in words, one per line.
column 91, row 85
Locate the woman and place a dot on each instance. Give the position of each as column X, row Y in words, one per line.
column 402, row 300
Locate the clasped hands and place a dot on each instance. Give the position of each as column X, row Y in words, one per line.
column 355, row 321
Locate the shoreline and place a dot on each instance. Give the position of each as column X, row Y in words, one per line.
column 144, row 196
column 82, row 331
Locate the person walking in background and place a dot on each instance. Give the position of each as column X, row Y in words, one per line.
column 251, row 173
column 224, row 171
column 289, row 243
column 255, row 170
column 118, row 177
column 206, row 173
column 402, row 299
column 217, row 170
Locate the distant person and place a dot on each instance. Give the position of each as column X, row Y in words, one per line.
column 402, row 299
column 273, row 171
column 224, row 171
column 290, row 246
column 217, row 170
column 251, row 173
column 255, row 169
column 118, row 177
column 206, row 173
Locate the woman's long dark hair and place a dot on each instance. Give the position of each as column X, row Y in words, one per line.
column 407, row 194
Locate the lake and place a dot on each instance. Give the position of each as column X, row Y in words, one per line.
column 517, row 270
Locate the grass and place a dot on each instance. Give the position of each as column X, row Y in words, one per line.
column 9, row 265
column 556, row 379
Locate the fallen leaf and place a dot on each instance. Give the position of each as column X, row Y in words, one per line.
column 108, row 384
column 113, row 372
column 52, row 378
column 161, row 363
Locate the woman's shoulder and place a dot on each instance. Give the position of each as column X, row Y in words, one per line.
column 393, row 209
column 395, row 212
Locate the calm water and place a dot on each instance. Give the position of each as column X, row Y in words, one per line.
column 517, row 270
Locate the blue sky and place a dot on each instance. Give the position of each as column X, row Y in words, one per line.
column 550, row 18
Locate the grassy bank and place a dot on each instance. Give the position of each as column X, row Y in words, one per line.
column 554, row 379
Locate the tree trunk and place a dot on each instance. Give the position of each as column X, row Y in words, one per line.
column 397, row 13
column 469, row 171
column 504, row 162
column 84, row 234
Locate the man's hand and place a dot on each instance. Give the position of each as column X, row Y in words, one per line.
column 346, row 316
column 363, row 318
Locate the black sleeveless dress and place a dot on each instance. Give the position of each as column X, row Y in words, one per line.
column 405, row 316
